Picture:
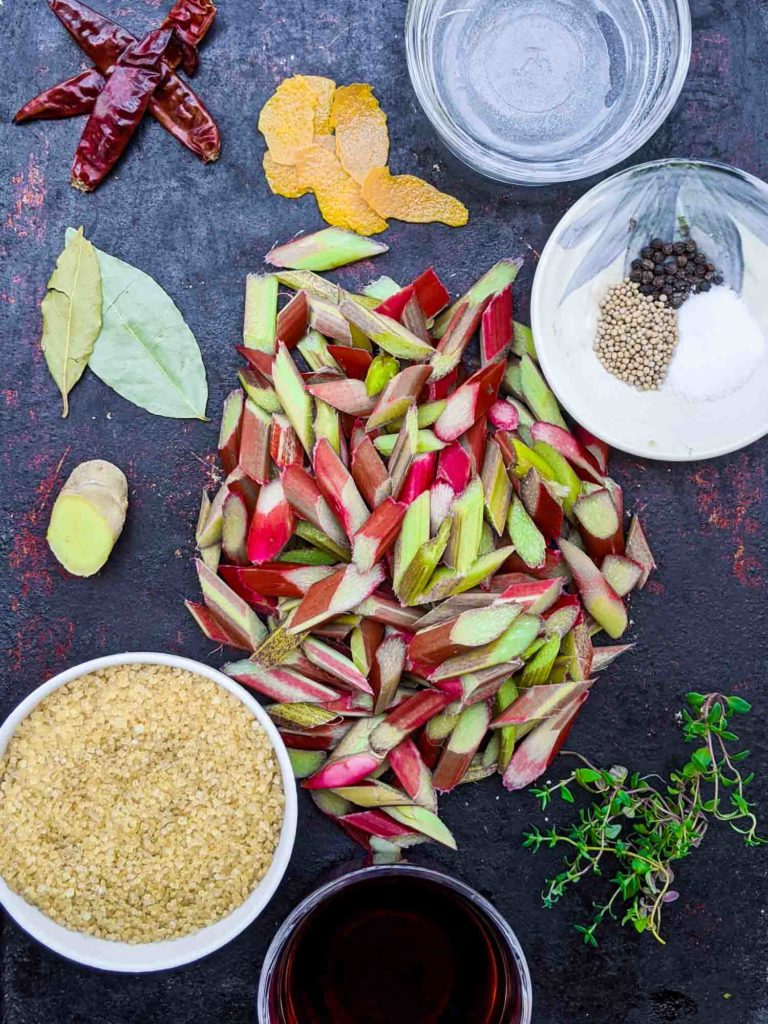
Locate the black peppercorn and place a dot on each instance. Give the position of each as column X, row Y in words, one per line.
column 636, row 276
column 682, row 260
column 648, row 277
column 637, row 264
column 676, row 301
column 691, row 246
column 704, row 286
column 668, row 249
column 645, row 289
column 668, row 289
column 648, row 264
column 701, row 270
column 699, row 258
column 646, row 253
column 679, row 248
column 718, row 279
column 658, row 282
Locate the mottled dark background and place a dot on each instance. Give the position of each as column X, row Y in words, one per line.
column 701, row 623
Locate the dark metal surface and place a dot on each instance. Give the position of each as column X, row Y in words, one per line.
column 702, row 622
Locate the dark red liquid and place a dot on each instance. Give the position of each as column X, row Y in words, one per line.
column 396, row 950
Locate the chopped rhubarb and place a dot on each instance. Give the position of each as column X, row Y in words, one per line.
column 429, row 290
column 600, row 599
column 496, row 331
column 469, row 402
column 355, row 362
column 325, row 250
column 272, row 525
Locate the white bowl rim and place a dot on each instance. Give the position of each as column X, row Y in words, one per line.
column 537, row 317
column 139, row 958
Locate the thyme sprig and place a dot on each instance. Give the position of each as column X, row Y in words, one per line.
column 643, row 826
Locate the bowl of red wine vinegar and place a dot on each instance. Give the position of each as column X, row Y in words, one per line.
column 395, row 945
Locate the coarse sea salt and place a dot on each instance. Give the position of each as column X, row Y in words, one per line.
column 720, row 346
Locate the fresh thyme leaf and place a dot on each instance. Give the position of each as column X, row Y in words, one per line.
column 645, row 828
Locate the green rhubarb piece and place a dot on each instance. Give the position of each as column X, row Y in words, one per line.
column 522, row 341
column 424, row 821
column 381, row 371
column 494, row 280
column 306, row 281
column 309, row 532
column 496, row 487
column 421, row 567
column 527, row 459
column 295, row 401
column 314, row 350
column 327, row 424
column 487, row 541
column 509, row 646
column 563, row 473
column 388, row 334
column 622, row 573
column 301, row 715
column 381, row 289
column 306, row 762
column 527, row 539
column 374, row 794
column 426, row 441
column 505, row 697
column 325, row 250
column 538, row 669
column 414, row 531
column 307, row 556
column 537, row 394
column 467, row 530
column 262, row 394
column 211, row 556
column 260, row 323
column 511, row 382
column 228, row 606
column 442, row 725
column 431, row 412
column 482, row 570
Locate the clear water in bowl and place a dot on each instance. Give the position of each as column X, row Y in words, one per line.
column 542, row 79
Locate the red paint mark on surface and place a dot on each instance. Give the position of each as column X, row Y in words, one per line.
column 10, row 397
column 42, row 647
column 29, row 191
column 731, row 502
column 29, row 557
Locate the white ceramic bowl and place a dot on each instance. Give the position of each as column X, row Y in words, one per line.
column 155, row 956
column 590, row 250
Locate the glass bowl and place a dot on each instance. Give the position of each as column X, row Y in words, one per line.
column 726, row 212
column 541, row 91
column 270, row 999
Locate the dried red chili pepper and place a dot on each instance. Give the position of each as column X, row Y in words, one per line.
column 119, row 109
column 67, row 99
column 178, row 109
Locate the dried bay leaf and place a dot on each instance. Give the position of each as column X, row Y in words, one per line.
column 145, row 351
column 71, row 313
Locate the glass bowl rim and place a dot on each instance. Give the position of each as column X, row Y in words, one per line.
column 518, row 172
column 343, row 881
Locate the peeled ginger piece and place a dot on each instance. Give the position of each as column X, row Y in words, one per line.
column 88, row 517
column 406, row 197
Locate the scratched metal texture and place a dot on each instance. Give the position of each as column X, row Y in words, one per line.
column 702, row 623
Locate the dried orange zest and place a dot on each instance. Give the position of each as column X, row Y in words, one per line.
column 412, row 199
column 338, row 195
column 287, row 119
column 283, row 179
column 323, row 88
column 362, row 139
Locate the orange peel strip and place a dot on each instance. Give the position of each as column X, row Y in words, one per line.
column 406, row 197
column 323, row 89
column 283, row 179
column 287, row 120
column 338, row 195
column 362, row 139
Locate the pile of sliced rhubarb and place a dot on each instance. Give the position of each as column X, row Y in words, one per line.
column 415, row 559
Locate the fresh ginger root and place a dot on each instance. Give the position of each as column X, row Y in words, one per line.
column 88, row 517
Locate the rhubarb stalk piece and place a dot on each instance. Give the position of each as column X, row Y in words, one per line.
column 292, row 323
column 496, row 487
column 260, row 323
column 284, row 445
column 272, row 526
column 539, row 749
column 238, row 617
column 411, row 772
column 254, row 450
column 469, row 402
column 600, row 600
column 427, row 288
column 338, row 488
column 462, row 746
column 338, row 593
column 325, row 250
column 562, row 441
column 599, row 524
column 213, row 628
column 471, row 629
column 388, row 334
column 496, row 331
column 293, row 397
column 639, row 551
column 304, row 497
column 386, row 671
column 511, row 644
column 229, row 432
column 398, row 396
column 234, row 529
column 378, row 534
column 335, row 663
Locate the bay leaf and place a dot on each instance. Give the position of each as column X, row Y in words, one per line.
column 145, row 351
column 71, row 313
